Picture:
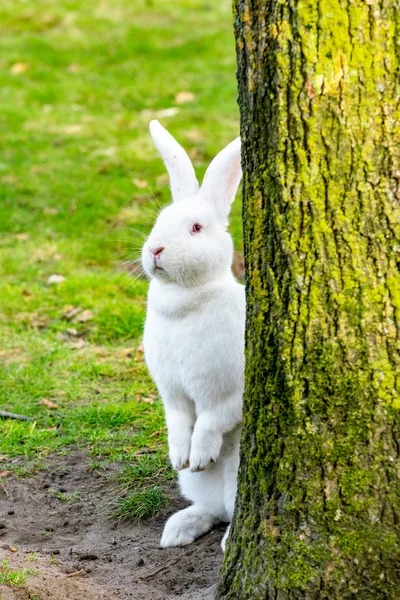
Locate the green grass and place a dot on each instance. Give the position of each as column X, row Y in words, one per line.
column 139, row 504
column 13, row 577
column 144, row 470
column 79, row 82
column 32, row 557
column 64, row 497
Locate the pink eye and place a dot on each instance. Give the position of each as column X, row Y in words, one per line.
column 196, row 228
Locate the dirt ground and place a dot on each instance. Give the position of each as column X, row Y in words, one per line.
column 83, row 555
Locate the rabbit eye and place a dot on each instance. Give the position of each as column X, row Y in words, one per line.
column 196, row 228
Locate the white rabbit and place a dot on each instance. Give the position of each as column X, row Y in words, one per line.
column 194, row 335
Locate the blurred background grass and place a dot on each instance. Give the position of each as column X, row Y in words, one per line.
column 79, row 184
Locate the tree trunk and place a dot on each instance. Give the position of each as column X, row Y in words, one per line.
column 318, row 507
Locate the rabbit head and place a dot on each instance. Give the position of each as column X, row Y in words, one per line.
column 189, row 243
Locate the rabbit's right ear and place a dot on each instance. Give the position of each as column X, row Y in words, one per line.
column 181, row 173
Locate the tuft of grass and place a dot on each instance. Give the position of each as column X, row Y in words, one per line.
column 32, row 557
column 46, row 532
column 64, row 497
column 139, row 504
column 13, row 577
column 145, row 469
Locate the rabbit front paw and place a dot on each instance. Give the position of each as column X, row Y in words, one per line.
column 205, row 450
column 179, row 456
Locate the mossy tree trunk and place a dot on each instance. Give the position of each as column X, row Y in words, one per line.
column 318, row 507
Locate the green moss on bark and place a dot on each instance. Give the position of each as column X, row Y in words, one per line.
column 318, row 508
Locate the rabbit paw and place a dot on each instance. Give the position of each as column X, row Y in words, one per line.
column 185, row 526
column 179, row 456
column 205, row 450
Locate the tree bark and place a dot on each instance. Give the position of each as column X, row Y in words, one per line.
column 318, row 506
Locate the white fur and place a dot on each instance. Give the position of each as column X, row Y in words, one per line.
column 194, row 336
column 223, row 542
column 181, row 173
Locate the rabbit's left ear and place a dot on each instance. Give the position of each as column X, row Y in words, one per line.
column 222, row 179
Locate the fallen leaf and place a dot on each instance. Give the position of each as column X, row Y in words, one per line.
column 22, row 237
column 194, row 153
column 162, row 180
column 73, row 68
column 194, row 135
column 80, row 343
column 38, row 322
column 11, row 179
column 140, row 183
column 76, row 573
column 39, row 255
column 18, row 68
column 129, row 214
column 143, row 451
column 72, row 331
column 157, row 433
column 82, row 317
column 12, row 548
column 64, row 337
column 107, row 152
column 160, row 114
column 26, row 293
column 50, row 211
column 45, row 255
column 71, row 129
column 125, row 353
column 48, row 403
column 49, row 19
column 184, row 97
column 238, row 265
column 4, row 473
column 71, row 311
column 167, row 112
column 55, row 279
column 147, row 400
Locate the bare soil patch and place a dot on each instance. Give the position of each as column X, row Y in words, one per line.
column 83, row 555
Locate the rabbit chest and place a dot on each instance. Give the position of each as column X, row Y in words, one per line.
column 194, row 343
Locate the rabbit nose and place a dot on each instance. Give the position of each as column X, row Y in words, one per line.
column 157, row 251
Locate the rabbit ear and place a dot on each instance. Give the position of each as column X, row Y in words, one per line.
column 222, row 179
column 181, row 173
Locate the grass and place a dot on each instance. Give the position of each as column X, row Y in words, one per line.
column 146, row 469
column 64, row 497
column 139, row 504
column 32, row 557
column 13, row 577
column 79, row 184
